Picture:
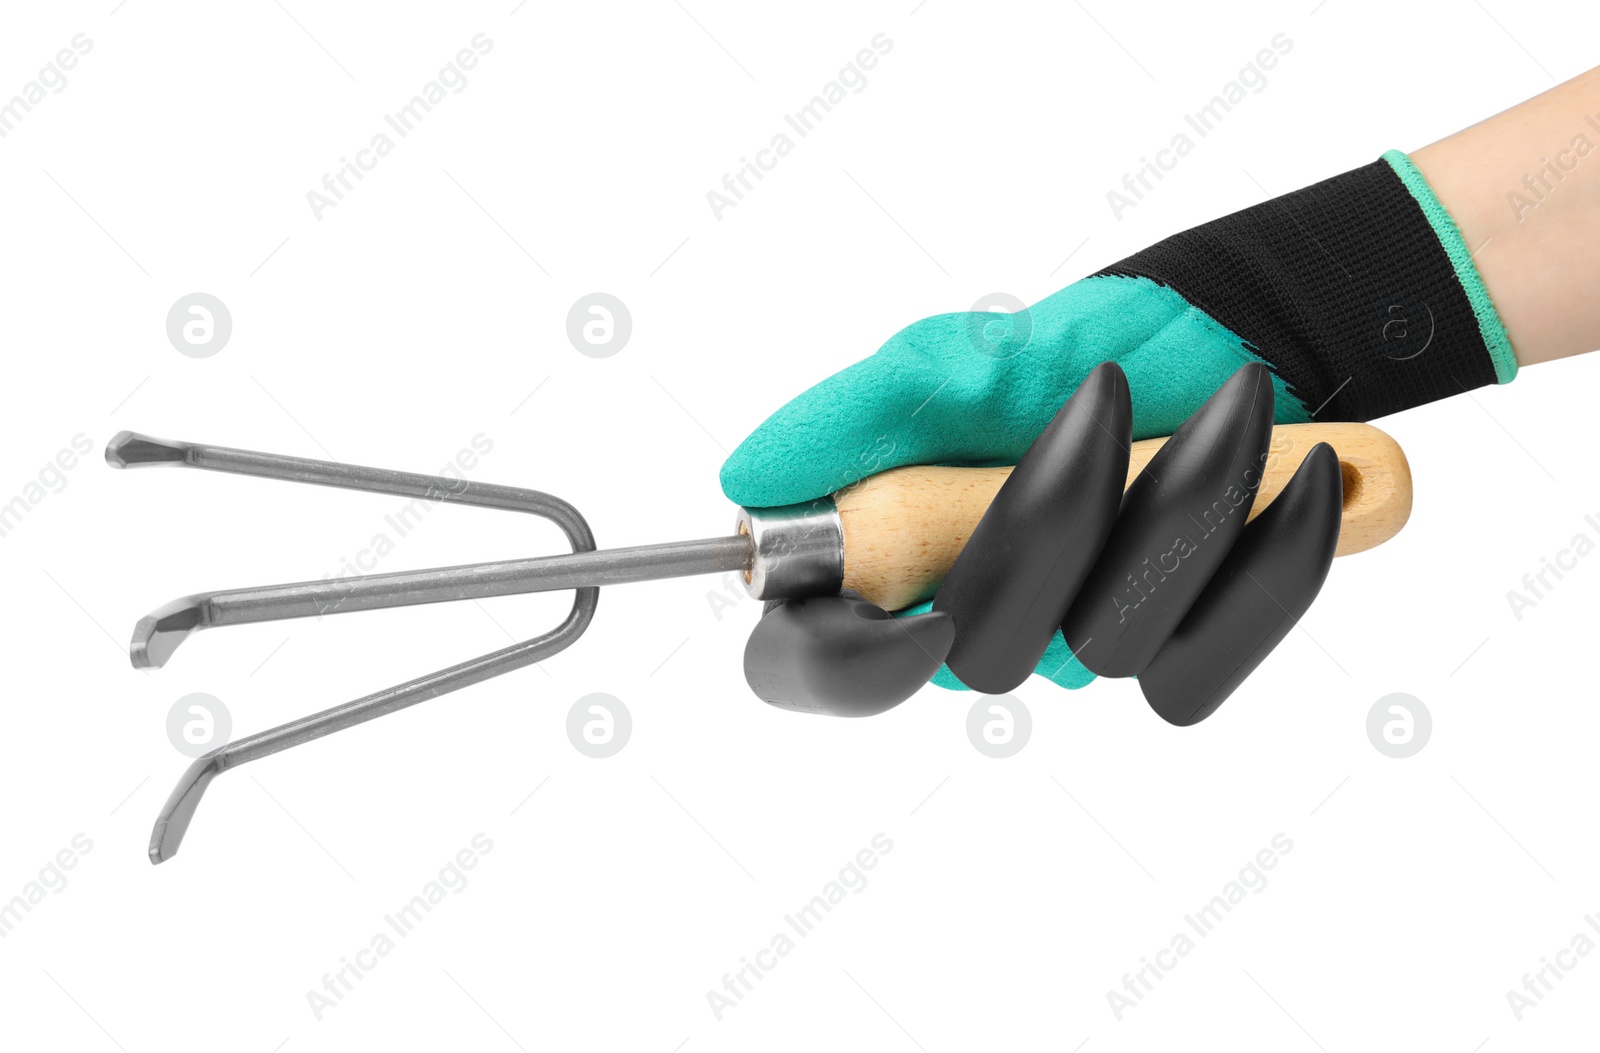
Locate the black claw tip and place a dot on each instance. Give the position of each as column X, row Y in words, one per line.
column 843, row 656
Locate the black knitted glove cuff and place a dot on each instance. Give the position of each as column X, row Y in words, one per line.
column 1358, row 290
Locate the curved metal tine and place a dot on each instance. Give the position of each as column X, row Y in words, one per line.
column 173, row 821
column 159, row 633
column 129, row 449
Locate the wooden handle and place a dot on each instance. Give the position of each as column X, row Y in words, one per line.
column 904, row 527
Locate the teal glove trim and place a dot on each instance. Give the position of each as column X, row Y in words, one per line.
column 1063, row 668
column 1490, row 327
column 976, row 388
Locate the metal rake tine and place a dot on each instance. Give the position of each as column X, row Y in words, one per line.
column 158, row 634
column 173, row 822
column 129, row 449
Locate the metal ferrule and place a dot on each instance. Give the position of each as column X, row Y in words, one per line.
column 798, row 550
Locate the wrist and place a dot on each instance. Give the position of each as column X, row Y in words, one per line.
column 1524, row 190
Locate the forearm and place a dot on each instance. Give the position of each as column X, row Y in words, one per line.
column 1524, row 188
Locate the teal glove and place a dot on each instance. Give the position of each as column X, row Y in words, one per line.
column 977, row 388
column 1312, row 284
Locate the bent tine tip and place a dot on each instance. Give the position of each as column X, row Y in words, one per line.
column 173, row 822
column 160, row 851
column 159, row 633
column 129, row 449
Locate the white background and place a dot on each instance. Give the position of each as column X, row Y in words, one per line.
column 413, row 316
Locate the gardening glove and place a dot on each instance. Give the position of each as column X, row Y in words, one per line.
column 1357, row 294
